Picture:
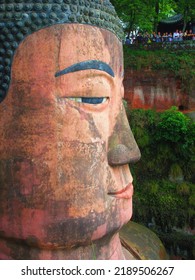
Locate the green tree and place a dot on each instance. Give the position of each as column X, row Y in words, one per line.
column 187, row 9
column 145, row 15
column 132, row 13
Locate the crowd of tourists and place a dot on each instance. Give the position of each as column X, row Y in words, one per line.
column 146, row 38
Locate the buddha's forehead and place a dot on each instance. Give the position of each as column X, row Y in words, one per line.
column 19, row 19
column 85, row 41
column 63, row 45
column 82, row 38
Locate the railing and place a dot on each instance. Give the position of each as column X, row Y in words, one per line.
column 181, row 45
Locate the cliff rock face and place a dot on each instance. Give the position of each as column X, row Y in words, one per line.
column 155, row 90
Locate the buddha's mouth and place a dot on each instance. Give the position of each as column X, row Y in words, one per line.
column 125, row 193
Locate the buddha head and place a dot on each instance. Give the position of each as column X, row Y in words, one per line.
column 65, row 143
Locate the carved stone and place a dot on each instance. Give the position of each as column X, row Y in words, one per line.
column 60, row 196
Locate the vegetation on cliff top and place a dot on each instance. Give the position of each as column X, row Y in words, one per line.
column 180, row 64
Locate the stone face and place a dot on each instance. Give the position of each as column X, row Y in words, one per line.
column 59, row 194
column 18, row 19
column 155, row 90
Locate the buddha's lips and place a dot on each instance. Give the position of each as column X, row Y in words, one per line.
column 126, row 193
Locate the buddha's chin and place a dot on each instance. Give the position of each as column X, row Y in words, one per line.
column 58, row 232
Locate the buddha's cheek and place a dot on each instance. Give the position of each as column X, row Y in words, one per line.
column 118, row 214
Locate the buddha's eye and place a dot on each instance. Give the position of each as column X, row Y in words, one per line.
column 89, row 100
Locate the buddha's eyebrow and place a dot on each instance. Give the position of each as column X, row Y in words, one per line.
column 85, row 65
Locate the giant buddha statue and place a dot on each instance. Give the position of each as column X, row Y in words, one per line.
column 65, row 142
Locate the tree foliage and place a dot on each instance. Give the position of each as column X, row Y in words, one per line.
column 164, row 180
column 164, row 139
column 145, row 14
column 187, row 9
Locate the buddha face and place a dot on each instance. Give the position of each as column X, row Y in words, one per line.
column 66, row 143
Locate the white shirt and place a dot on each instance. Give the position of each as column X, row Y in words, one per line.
column 175, row 35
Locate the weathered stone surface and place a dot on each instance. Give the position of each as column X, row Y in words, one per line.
column 143, row 243
column 155, row 90
column 59, row 195
column 63, row 195
column 18, row 19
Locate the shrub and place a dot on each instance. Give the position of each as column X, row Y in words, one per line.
column 183, row 189
column 176, row 173
column 162, row 192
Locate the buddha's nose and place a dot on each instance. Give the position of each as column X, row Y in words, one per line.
column 122, row 147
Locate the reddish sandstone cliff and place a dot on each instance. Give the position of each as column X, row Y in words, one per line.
column 155, row 90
